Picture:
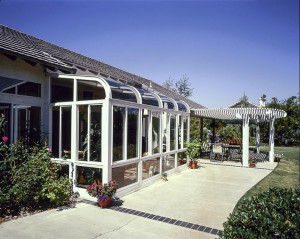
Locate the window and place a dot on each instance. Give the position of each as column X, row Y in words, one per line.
column 87, row 175
column 145, row 129
column 29, row 89
column 172, row 132
column 90, row 117
column 90, row 90
column 61, row 90
column 155, row 132
column 118, row 132
column 132, row 133
column 61, row 132
column 151, row 168
column 125, row 175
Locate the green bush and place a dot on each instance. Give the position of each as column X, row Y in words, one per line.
column 271, row 214
column 193, row 149
column 31, row 180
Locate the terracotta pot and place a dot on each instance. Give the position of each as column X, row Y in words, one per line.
column 106, row 203
column 252, row 165
column 194, row 164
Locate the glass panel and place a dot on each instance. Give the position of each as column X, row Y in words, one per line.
column 121, row 92
column 55, row 132
column 95, row 132
column 145, row 127
column 90, row 90
column 150, row 168
column 5, row 110
column 125, row 175
column 168, row 104
column 61, row 90
column 155, row 133
column 181, row 106
column 29, row 120
column 181, row 158
column 64, row 170
column 179, row 132
column 148, row 98
column 172, row 132
column 66, row 132
column 30, row 89
column 168, row 162
column 132, row 133
column 118, row 132
column 86, row 176
column 185, row 133
column 82, row 129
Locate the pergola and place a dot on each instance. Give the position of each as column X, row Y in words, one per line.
column 247, row 114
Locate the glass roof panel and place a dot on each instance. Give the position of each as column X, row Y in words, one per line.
column 148, row 98
column 181, row 106
column 121, row 92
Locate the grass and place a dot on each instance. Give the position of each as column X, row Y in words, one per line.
column 285, row 175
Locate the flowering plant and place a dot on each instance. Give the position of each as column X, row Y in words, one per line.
column 102, row 191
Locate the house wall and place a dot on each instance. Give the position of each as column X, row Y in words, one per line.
column 21, row 70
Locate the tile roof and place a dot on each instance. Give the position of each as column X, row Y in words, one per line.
column 32, row 48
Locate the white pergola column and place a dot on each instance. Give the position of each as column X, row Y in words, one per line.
column 257, row 137
column 271, row 140
column 245, row 140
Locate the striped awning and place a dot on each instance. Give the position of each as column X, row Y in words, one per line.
column 259, row 114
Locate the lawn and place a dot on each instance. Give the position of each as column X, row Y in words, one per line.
column 285, row 175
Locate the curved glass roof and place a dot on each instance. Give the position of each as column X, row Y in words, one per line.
column 121, row 92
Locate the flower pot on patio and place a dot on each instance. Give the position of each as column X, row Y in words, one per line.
column 105, row 203
column 194, row 164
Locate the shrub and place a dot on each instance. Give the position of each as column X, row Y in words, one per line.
column 31, row 180
column 271, row 214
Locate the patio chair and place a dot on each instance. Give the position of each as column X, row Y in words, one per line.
column 216, row 153
column 205, row 150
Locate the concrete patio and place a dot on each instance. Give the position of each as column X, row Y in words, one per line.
column 204, row 196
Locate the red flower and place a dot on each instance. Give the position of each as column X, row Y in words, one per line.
column 4, row 139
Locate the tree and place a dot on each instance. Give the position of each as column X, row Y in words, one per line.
column 181, row 86
column 287, row 130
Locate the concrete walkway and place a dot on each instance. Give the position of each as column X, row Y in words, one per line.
column 179, row 207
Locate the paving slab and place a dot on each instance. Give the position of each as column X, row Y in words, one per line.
column 191, row 204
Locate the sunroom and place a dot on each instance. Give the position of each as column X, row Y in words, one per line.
column 104, row 130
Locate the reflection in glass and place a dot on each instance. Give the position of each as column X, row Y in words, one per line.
column 185, row 133
column 172, row 132
column 145, row 127
column 61, row 90
column 181, row 158
column 90, row 90
column 132, row 133
column 150, row 168
column 155, row 133
column 168, row 162
column 118, row 132
column 125, row 175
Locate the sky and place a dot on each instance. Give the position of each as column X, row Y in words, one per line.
column 227, row 48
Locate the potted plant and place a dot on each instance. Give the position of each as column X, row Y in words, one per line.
column 277, row 157
column 252, row 162
column 182, row 158
column 103, row 192
column 193, row 149
column 164, row 176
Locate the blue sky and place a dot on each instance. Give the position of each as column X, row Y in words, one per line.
column 225, row 47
